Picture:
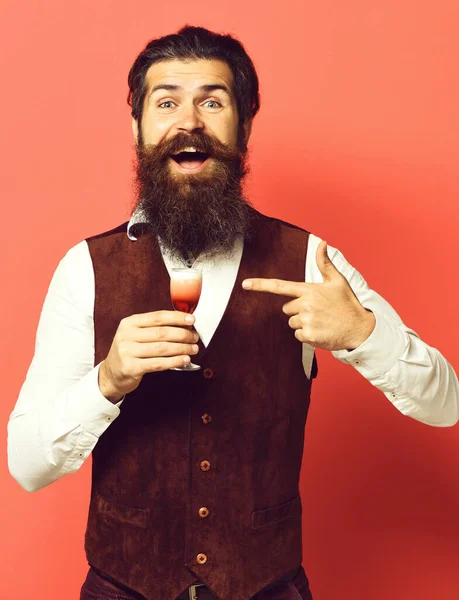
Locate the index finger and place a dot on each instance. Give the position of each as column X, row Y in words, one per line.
column 275, row 286
column 162, row 317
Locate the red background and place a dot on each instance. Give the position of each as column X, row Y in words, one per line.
column 356, row 141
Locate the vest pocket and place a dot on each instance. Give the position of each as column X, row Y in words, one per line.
column 125, row 514
column 292, row 508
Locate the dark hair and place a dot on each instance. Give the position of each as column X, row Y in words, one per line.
column 195, row 43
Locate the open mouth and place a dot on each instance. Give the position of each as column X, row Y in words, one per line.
column 190, row 159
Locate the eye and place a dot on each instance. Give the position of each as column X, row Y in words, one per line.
column 166, row 104
column 212, row 104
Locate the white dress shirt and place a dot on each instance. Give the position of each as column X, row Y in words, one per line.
column 60, row 413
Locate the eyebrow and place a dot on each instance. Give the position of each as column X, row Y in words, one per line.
column 177, row 88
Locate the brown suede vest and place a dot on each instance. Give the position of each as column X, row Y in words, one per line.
column 148, row 480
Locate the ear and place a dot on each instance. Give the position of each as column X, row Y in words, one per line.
column 135, row 130
column 247, row 130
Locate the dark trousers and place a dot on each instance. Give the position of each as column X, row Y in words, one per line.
column 97, row 587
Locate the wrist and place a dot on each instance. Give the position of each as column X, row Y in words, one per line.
column 363, row 330
column 106, row 387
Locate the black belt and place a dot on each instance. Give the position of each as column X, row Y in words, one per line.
column 198, row 591
column 120, row 586
column 193, row 591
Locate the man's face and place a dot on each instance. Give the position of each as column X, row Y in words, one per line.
column 194, row 97
column 191, row 158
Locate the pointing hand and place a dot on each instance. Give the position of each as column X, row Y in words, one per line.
column 326, row 315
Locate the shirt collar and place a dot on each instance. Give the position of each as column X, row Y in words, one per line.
column 138, row 218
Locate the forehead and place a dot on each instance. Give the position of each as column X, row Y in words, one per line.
column 189, row 74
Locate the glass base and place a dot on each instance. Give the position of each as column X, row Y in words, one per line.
column 188, row 367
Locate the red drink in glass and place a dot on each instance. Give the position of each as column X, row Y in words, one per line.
column 185, row 292
column 186, row 287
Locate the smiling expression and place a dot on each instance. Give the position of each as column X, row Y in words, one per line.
column 195, row 96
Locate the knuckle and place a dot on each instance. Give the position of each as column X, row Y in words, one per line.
column 161, row 348
column 160, row 334
column 130, row 368
column 307, row 329
column 307, row 334
column 136, row 371
column 155, row 366
column 161, row 316
column 304, row 319
column 306, row 305
column 123, row 351
column 154, row 319
column 291, row 307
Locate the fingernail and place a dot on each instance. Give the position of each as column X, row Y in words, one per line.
column 186, row 360
column 189, row 319
column 247, row 284
column 195, row 337
column 195, row 348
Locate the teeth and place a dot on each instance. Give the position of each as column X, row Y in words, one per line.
column 189, row 149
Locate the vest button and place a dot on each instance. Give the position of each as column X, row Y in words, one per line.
column 205, row 465
column 201, row 559
column 204, row 512
column 208, row 373
column 206, row 418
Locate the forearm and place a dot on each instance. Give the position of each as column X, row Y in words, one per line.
column 51, row 435
column 60, row 413
column 415, row 377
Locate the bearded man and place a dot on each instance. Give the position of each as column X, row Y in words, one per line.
column 195, row 475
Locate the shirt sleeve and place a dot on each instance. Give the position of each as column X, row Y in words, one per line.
column 60, row 413
column 415, row 377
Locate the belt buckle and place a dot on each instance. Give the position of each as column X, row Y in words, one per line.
column 192, row 590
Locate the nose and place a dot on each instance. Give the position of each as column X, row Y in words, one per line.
column 190, row 120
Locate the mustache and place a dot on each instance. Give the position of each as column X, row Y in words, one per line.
column 198, row 213
column 203, row 142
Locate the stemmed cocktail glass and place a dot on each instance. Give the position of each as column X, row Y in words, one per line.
column 186, row 285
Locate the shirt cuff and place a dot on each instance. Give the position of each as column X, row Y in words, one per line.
column 380, row 351
column 88, row 406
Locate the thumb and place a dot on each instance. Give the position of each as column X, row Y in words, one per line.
column 326, row 267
